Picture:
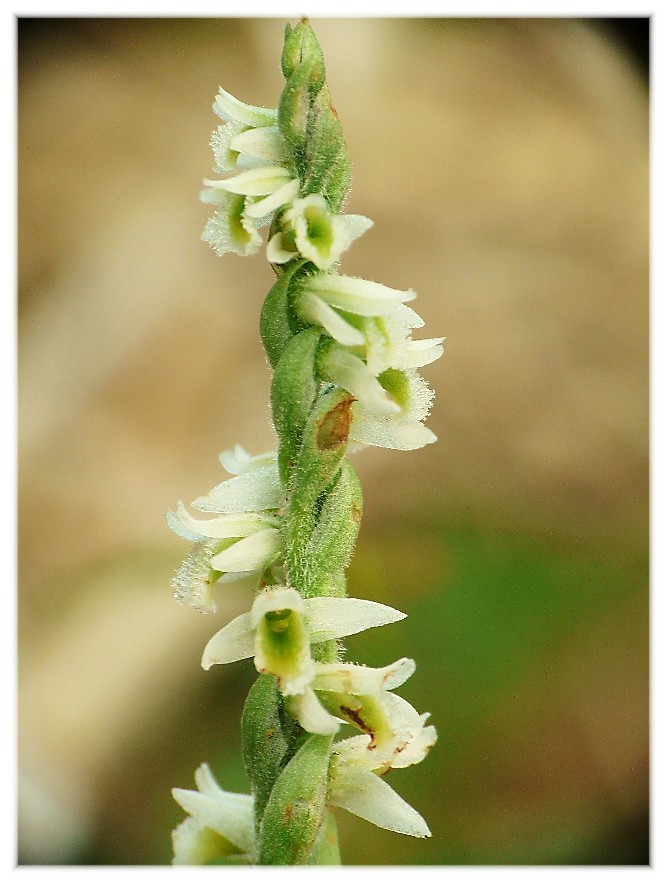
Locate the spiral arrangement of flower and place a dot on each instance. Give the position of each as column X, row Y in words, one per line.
column 345, row 376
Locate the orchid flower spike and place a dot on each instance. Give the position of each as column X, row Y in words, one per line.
column 345, row 376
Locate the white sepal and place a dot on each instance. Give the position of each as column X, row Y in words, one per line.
column 279, row 250
column 231, row 109
column 251, row 553
column 363, row 793
column 238, row 460
column 309, row 712
column 358, row 296
column 227, row 526
column 345, row 369
column 229, row 815
column 265, row 143
column 232, row 643
column 419, row 353
column 251, row 491
column 314, row 310
column 254, row 182
column 327, row 618
column 332, row 617
column 361, row 680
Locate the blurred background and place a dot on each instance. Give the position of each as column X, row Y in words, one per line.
column 505, row 164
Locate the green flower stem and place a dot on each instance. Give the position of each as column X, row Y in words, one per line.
column 324, row 501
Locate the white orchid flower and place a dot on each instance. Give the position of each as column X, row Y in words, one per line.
column 317, row 618
column 244, row 537
column 340, row 366
column 317, row 233
column 403, row 429
column 395, row 737
column 219, row 823
column 250, row 141
column 278, row 632
column 229, row 230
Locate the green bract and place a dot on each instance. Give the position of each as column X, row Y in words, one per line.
column 344, row 375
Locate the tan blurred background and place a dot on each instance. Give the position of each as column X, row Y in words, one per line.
column 505, row 164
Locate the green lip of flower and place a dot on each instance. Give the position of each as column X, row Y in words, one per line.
column 327, row 618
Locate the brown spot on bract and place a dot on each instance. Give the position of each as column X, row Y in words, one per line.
column 333, row 429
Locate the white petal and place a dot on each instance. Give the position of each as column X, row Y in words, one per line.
column 358, row 296
column 251, row 579
column 354, row 750
column 252, row 553
column 192, row 582
column 313, row 309
column 276, row 200
column 255, row 182
column 311, row 715
column 417, row 749
column 225, row 527
column 378, row 432
column 348, row 371
column 274, row 599
column 229, row 814
column 238, row 460
column 175, row 523
column 410, row 318
column 229, row 230
column 419, row 353
column 361, row 680
column 410, row 739
column 257, row 490
column 225, row 156
column 230, row 108
column 348, row 228
column 276, row 252
column 403, row 431
column 232, row 643
column 262, row 143
column 332, row 617
column 363, row 793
